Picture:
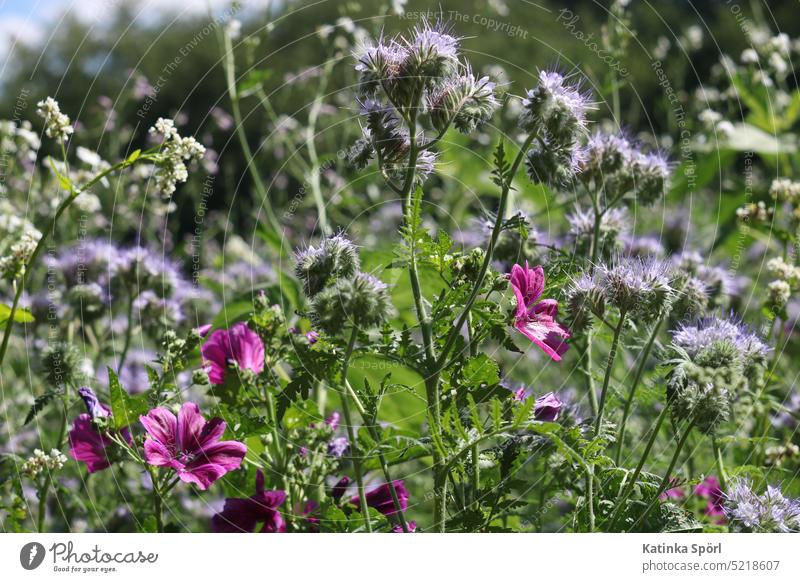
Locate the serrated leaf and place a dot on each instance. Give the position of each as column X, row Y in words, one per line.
column 39, row 404
column 481, row 370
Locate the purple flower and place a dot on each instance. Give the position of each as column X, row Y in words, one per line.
column 238, row 344
column 338, row 490
column 547, row 407
column 338, row 446
column 380, row 498
column 190, row 445
column 536, row 318
column 333, row 420
column 412, row 527
column 710, row 489
column 87, row 443
column 312, row 337
column 203, row 330
column 243, row 515
column 673, row 492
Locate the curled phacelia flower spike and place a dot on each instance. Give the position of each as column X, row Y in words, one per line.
column 717, row 361
column 432, row 53
column 175, row 152
column 555, row 108
column 335, row 257
column 463, row 101
column 691, row 300
column 641, row 288
column 56, row 124
column 585, row 298
column 614, row 224
column 553, row 164
column 651, row 177
column 770, row 512
column 605, row 154
column 62, row 365
column 362, row 301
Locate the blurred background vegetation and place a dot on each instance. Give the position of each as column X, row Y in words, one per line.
column 120, row 53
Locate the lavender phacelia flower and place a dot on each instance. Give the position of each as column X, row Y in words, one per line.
column 770, row 512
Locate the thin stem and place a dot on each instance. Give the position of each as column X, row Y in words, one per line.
column 233, row 94
column 723, row 478
column 612, row 355
column 587, row 352
column 649, row 447
column 45, row 489
column 157, row 500
column 634, row 387
column 487, row 260
column 667, row 474
column 351, row 434
column 311, row 127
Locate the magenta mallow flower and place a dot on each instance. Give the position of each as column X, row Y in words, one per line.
column 710, row 489
column 673, row 492
column 398, row 528
column 87, row 444
column 535, row 318
column 190, row 445
column 380, row 498
column 547, row 408
column 338, row 490
column 239, row 345
column 243, row 515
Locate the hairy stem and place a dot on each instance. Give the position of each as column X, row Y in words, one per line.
column 612, row 356
column 634, row 387
column 351, row 433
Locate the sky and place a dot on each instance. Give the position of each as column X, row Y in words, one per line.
column 30, row 21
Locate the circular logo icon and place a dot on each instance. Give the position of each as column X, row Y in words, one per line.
column 31, row 555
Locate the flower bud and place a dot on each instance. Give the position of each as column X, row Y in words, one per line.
column 362, row 301
column 336, row 257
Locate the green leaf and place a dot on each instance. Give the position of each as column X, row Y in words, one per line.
column 481, row 370
column 125, row 408
column 133, row 157
column 21, row 315
column 39, row 403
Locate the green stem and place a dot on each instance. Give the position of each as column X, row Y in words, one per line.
column 723, row 478
column 649, row 447
column 157, row 500
column 44, row 491
column 667, row 475
column 351, row 434
column 612, row 355
column 587, row 352
column 230, row 67
column 487, row 259
column 634, row 387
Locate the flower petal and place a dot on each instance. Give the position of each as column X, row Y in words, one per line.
column 190, row 427
column 162, row 426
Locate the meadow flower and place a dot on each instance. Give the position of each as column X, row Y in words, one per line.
column 88, row 443
column 190, row 445
column 338, row 446
column 463, row 101
column 380, row 498
column 555, row 108
column 333, row 420
column 239, row 345
column 640, row 287
column 40, row 462
column 316, row 266
column 547, row 408
column 57, row 125
column 243, row 515
column 705, row 332
column 710, row 489
column 339, row 488
column 534, row 317
column 362, row 301
column 769, row 512
column 398, row 528
column 175, row 152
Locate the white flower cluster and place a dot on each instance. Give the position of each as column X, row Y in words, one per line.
column 785, row 190
column 175, row 152
column 19, row 253
column 40, row 462
column 57, row 124
column 715, row 123
column 787, row 279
